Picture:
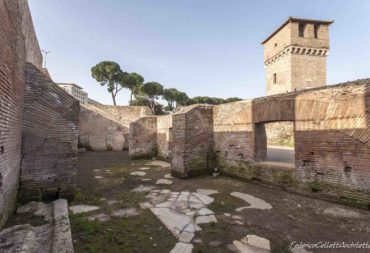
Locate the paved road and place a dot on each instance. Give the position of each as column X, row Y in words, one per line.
column 280, row 154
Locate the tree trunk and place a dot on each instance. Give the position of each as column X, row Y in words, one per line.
column 114, row 99
column 152, row 106
column 131, row 98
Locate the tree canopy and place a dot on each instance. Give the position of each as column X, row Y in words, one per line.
column 211, row 100
column 109, row 73
column 153, row 91
column 134, row 83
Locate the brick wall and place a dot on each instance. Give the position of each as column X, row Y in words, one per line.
column 164, row 136
column 233, row 132
column 50, row 135
column 12, row 58
column 143, row 137
column 33, row 51
column 103, row 127
column 192, row 140
column 332, row 140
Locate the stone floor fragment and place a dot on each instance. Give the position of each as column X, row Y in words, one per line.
column 142, row 188
column 82, row 208
column 253, row 244
column 254, row 202
column 138, row 173
column 181, row 247
column 127, row 212
column 180, row 212
column 164, row 181
column 341, row 212
column 168, row 176
column 206, row 191
column 159, row 163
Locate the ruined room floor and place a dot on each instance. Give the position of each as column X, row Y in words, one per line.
column 119, row 222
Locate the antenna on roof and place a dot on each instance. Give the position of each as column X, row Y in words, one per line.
column 45, row 55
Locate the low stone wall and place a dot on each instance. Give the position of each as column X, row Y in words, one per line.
column 53, row 236
column 50, row 134
column 104, row 127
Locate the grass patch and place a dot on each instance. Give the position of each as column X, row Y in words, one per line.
column 88, row 198
column 131, row 199
column 143, row 233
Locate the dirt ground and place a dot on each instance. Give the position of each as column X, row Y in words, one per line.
column 293, row 218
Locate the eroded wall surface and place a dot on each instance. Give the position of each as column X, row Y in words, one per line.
column 34, row 111
column 233, row 132
column 192, row 141
column 50, row 135
column 164, row 136
column 143, row 138
column 332, row 140
column 104, row 127
column 12, row 59
column 332, row 131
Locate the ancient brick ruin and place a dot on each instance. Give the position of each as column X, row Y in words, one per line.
column 41, row 128
column 151, row 137
column 49, row 139
column 38, row 120
column 332, row 136
column 105, row 127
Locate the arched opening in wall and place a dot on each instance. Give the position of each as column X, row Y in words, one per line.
column 275, row 142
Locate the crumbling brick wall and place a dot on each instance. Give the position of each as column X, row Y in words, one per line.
column 164, row 136
column 332, row 140
column 104, row 127
column 192, row 141
column 12, row 59
column 151, row 137
column 143, row 138
column 33, row 51
column 332, row 135
column 50, row 135
column 233, row 132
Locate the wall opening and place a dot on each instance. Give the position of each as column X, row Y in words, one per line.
column 275, row 142
column 316, row 30
column 301, row 28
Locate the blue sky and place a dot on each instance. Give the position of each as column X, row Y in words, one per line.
column 202, row 47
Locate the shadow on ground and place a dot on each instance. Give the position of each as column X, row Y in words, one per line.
column 104, row 180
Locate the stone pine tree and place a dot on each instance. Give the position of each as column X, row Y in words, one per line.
column 109, row 73
column 174, row 98
column 170, row 96
column 152, row 90
column 181, row 99
column 134, row 83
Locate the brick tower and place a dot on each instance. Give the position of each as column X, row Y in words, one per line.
column 295, row 55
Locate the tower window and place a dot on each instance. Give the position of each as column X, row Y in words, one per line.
column 274, row 78
column 316, row 30
column 301, row 28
